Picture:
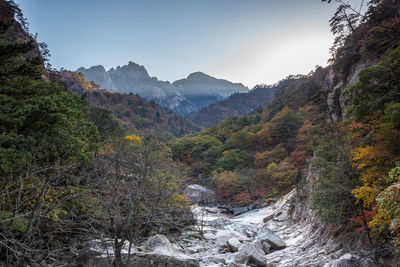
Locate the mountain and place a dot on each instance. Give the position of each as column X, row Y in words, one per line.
column 133, row 112
column 100, row 76
column 183, row 96
column 204, row 90
column 236, row 105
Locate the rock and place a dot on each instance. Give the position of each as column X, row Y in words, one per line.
column 269, row 217
column 346, row 260
column 160, row 244
column 198, row 193
column 217, row 222
column 266, row 235
column 151, row 260
column 195, row 249
column 250, row 253
column 266, row 247
column 213, row 259
column 140, row 259
column 212, row 210
column 209, row 236
column 233, row 244
column 232, row 264
column 223, row 237
column 240, row 210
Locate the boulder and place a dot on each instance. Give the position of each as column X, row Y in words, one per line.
column 159, row 244
column 156, row 260
column 258, row 244
column 239, row 210
column 250, row 253
column 139, row 259
column 266, row 235
column 266, row 247
column 346, row 260
column 233, row 244
column 213, row 259
column 223, row 236
column 217, row 223
column 200, row 194
column 194, row 249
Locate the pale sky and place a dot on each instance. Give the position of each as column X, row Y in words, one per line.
column 247, row 41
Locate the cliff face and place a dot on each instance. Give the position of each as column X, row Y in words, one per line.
column 182, row 97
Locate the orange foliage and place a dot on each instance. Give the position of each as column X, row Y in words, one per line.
column 243, row 198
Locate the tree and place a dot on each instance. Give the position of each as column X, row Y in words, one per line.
column 45, row 139
column 332, row 199
column 137, row 188
column 377, row 86
column 388, row 216
column 231, row 159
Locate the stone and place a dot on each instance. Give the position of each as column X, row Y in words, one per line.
column 160, row 244
column 346, row 260
column 150, row 260
column 250, row 253
column 269, row 217
column 223, row 237
column 217, row 223
column 240, row 210
column 266, row 247
column 194, row 249
column 266, row 235
column 200, row 194
column 213, row 259
column 233, row 244
column 209, row 236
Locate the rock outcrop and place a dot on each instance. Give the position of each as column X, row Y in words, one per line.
column 198, row 193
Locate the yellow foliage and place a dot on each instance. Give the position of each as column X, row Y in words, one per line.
column 181, row 201
column 134, row 138
column 366, row 193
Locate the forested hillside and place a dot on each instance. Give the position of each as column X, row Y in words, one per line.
column 87, row 173
column 260, row 154
column 340, row 123
column 134, row 113
column 236, row 105
column 69, row 174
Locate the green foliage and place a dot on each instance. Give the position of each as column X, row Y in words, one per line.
column 107, row 126
column 231, row 159
column 16, row 222
column 332, row 199
column 377, row 86
column 38, row 117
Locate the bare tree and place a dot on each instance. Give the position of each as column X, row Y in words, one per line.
column 136, row 185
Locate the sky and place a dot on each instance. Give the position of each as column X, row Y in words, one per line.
column 247, row 41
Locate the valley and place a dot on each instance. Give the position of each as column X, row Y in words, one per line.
column 118, row 168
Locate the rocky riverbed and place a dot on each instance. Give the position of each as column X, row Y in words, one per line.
column 261, row 237
column 267, row 236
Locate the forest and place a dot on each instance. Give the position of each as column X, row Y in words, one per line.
column 79, row 163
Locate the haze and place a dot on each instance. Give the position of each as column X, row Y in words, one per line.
column 252, row 42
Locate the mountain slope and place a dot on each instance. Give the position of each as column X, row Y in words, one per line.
column 133, row 112
column 204, row 90
column 334, row 136
column 236, row 105
column 183, row 96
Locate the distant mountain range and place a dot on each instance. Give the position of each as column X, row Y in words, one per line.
column 135, row 114
column 237, row 104
column 183, row 96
